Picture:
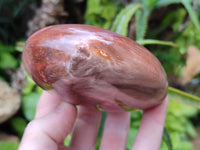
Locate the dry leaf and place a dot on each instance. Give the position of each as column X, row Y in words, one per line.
column 192, row 67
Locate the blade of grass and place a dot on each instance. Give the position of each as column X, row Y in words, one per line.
column 183, row 97
column 162, row 3
column 191, row 12
column 100, row 133
column 141, row 23
column 120, row 24
column 167, row 139
column 155, row 42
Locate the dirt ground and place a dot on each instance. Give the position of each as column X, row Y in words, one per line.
column 196, row 141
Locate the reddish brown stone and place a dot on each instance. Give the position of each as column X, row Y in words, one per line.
column 91, row 65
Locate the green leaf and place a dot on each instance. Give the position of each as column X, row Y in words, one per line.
column 150, row 4
column 29, row 103
column 120, row 24
column 180, row 96
column 141, row 23
column 7, row 60
column 67, row 140
column 157, row 42
column 161, row 3
column 100, row 133
column 30, row 85
column 93, row 7
column 187, row 5
column 8, row 145
column 101, row 13
column 131, row 137
column 108, row 11
column 177, row 124
column 19, row 125
column 6, row 48
column 190, row 130
column 167, row 139
column 192, row 13
column 20, row 46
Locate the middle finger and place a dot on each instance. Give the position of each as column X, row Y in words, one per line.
column 86, row 128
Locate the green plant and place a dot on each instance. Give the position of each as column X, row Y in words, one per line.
column 101, row 13
column 8, row 145
column 7, row 58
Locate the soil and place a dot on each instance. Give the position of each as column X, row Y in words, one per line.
column 196, row 141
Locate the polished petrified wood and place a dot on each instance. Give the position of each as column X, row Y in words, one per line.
column 90, row 65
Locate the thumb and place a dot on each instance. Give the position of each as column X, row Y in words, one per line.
column 49, row 131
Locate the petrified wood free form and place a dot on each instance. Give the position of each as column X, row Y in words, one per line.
column 90, row 65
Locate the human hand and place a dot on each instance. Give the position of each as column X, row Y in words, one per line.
column 55, row 119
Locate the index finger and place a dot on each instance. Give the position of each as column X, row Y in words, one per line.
column 47, row 103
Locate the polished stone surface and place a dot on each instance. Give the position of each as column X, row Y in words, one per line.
column 90, row 65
